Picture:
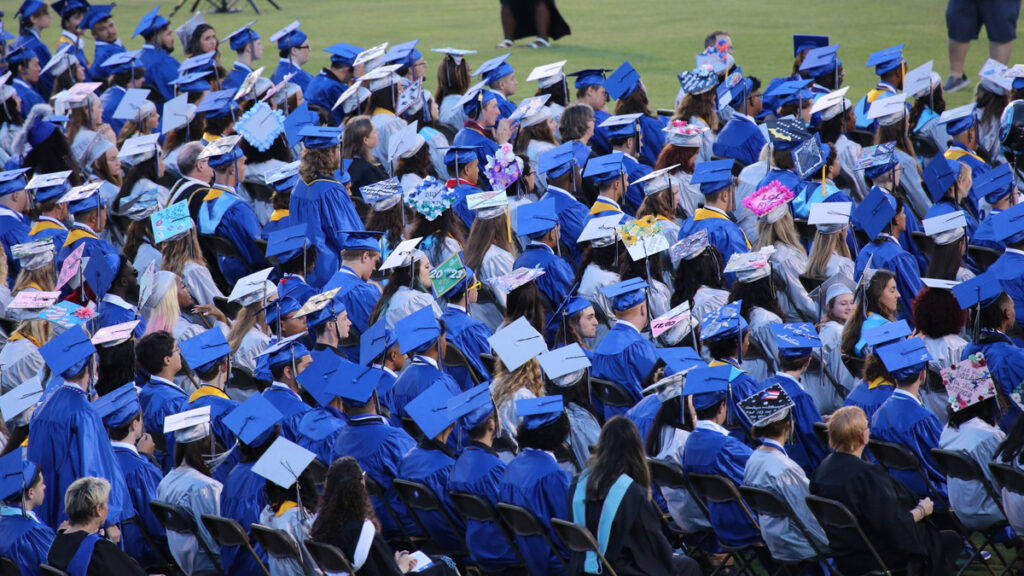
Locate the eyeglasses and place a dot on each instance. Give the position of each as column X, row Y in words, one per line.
column 305, row 47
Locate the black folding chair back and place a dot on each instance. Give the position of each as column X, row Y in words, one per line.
column 174, row 518
column 720, row 490
column 212, row 247
column 8, row 567
column 1008, row 476
column 896, row 457
column 767, row 503
column 420, row 497
column 473, row 507
column 454, row 357
column 671, row 475
column 488, row 361
column 821, row 433
column 329, row 558
column 810, row 283
column 982, row 256
column 50, row 570
column 228, row 532
column 923, row 242
column 374, row 489
column 166, row 562
column 277, row 543
column 579, row 539
column 525, row 523
column 611, row 393
column 833, row 515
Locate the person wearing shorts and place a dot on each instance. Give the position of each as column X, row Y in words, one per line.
column 964, row 19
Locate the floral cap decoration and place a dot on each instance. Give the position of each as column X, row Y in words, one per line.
column 431, row 198
column 769, row 202
column 969, row 382
column 684, row 134
column 504, row 168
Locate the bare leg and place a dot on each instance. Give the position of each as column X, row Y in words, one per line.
column 508, row 22
column 543, row 19
column 1000, row 51
column 957, row 57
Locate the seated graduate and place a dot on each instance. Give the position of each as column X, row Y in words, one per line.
column 431, row 462
column 758, row 302
column 567, row 369
column 719, row 189
column 535, row 481
column 318, row 427
column 539, row 222
column 90, row 214
column 53, row 215
column 161, row 67
column 625, row 86
column 159, row 356
column 330, row 323
column 292, row 502
column 295, row 257
column 209, row 357
column 467, row 172
column 485, row 129
column 741, row 139
column 1009, row 452
column 1009, row 229
column 285, row 361
column 326, row 87
column 80, row 548
column 24, row 539
column 478, row 471
column 608, row 173
column 422, row 337
column 120, row 303
column 711, row 450
column 468, row 334
column 345, row 520
column 244, row 497
column 379, row 348
column 961, row 123
column 191, row 485
column 612, row 497
column 360, row 258
column 971, row 431
column 891, row 516
column 248, row 48
column 624, row 355
column 293, row 48
column 563, row 166
column 122, row 415
column 949, row 184
column 770, row 468
column 726, row 338
column 65, row 430
column 624, row 136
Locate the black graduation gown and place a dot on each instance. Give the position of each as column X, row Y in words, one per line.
column 882, row 506
column 381, row 559
column 107, row 558
column 364, row 173
column 526, row 23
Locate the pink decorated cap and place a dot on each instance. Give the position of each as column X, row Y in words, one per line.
column 769, row 202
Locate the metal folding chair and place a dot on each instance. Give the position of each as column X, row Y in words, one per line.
column 579, row 539
column 278, row 543
column 227, row 532
column 329, row 558
column 833, row 515
column 174, row 518
column 765, row 503
column 524, row 523
column 720, row 490
column 419, row 497
column 473, row 507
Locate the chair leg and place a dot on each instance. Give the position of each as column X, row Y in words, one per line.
column 723, row 563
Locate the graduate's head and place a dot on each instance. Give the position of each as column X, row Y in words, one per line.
column 469, row 171
column 548, row 436
column 158, row 354
column 577, row 123
column 848, row 430
column 754, row 100
column 719, row 37
column 202, row 40
column 793, row 363
column 190, row 165
column 22, row 480
column 780, row 428
column 85, row 501
column 101, row 24
column 71, row 17
column 619, row 451
column 162, row 37
column 35, row 491
column 345, row 499
column 998, row 315
column 284, row 372
column 363, row 261
column 131, row 430
column 307, row 493
column 359, row 138
column 35, row 15
column 27, row 69
column 194, row 454
column 937, row 313
column 126, row 283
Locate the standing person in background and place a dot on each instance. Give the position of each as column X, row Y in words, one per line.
column 964, row 19
column 522, row 18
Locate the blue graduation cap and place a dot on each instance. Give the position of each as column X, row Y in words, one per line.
column 253, row 421
column 193, row 82
column 476, row 97
column 289, row 243
column 876, row 160
column 242, row 37
column 622, row 82
column 29, row 8
column 12, row 181
column 982, row 290
column 959, row 119
column 791, row 91
column 472, row 407
column 494, row 69
column 418, row 331
column 69, row 353
column 362, row 240
column 796, row 340
column 65, row 7
column 374, row 342
column 150, row 24
column 199, row 61
column 904, row 359
column 713, row 175
column 459, row 155
column 1008, row 225
column 343, row 54
column 537, row 218
column 222, row 151
column 605, row 168
column 887, row 332
column 589, row 77
column 429, row 410
column 320, row 136
column 123, row 62
column 289, row 37
column 725, row 322
column 539, row 412
column 993, row 185
column 558, row 160
column 940, row 175
column 279, row 309
column 316, row 378
column 707, row 386
column 821, row 61
column 16, row 473
column 218, row 104
column 626, row 294
column 786, row 133
column 119, row 407
column 20, row 52
column 355, row 384
column 96, row 14
column 47, row 187
column 205, row 350
column 680, row 359
column 100, row 272
column 402, row 54
column 875, row 212
column 296, row 121
column 887, row 60
column 803, row 42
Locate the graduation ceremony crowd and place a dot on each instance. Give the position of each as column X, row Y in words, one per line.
column 385, row 320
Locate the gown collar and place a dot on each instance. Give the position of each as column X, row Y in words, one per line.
column 898, row 393
column 712, row 427
column 482, row 446
column 433, row 444
column 125, row 445
column 424, row 360
column 165, row 382
column 773, row 444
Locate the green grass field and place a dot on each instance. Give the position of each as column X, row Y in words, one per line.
column 660, row 39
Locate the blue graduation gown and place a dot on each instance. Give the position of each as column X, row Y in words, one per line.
column 652, row 139
column 69, row 441
column 324, row 90
column 1008, row 269
column 104, row 50
column 478, row 471
column 623, row 356
column 325, row 207
column 471, row 136
column 94, row 245
column 379, row 448
column 142, row 477
column 558, row 275
column 110, row 99
column 291, row 407
column 318, row 429
column 294, row 286
column 225, row 214
column 359, row 297
column 787, row 178
column 430, row 463
column 285, row 67
column 741, row 140
column 869, row 399
column 386, row 396
column 161, row 68
column 573, row 216
column 1006, row 363
column 723, row 233
column 964, row 155
column 14, row 230
column 712, row 452
column 35, row 44
column 643, row 414
column 279, row 220
column 242, row 499
column 111, row 315
column 890, row 255
column 29, row 96
column 234, row 79
column 159, row 400
column 470, row 336
column 417, row 376
column 635, row 192
column 535, row 481
column 461, row 189
column 803, row 446
column 505, row 106
column 905, row 421
column 24, row 539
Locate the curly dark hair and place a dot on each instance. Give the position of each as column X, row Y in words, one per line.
column 937, row 314
column 345, row 499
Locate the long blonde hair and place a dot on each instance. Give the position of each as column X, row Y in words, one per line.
column 179, row 252
column 507, row 383
column 248, row 317
column 42, row 277
column 822, row 249
column 36, row 330
column 782, row 230
column 164, row 316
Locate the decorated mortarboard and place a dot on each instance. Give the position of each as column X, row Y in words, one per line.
column 605, row 168
column 205, row 350
column 472, row 407
column 514, row 279
column 982, row 290
column 68, row 353
column 684, row 135
column 904, row 358
column 221, row 151
column 430, row 411
column 488, row 204
column 177, row 113
column 917, row 82
column 770, row 202
column 698, row 81
column 261, row 125
column 993, row 185
column 35, row 254
column 538, row 412
column 993, row 77
column 20, row 398
column 563, row 361
column 342, row 53
column 242, row 37
column 455, row 54
column 49, row 186
column 16, row 473
column 643, row 237
column 494, row 69
column 418, row 331
column 253, row 420
column 959, row 119
column 118, row 407
column 796, row 340
column 887, row 60
column 767, row 406
column 283, row 462
column 252, row 284
column 171, row 223
column 878, row 159
column 707, row 386
column 829, row 100
column 940, row 175
column 33, row 299
column 405, row 254
column 875, row 212
column 626, row 294
column 887, row 332
column 830, row 217
column 690, row 246
column 288, row 37
column 383, row 195
column 946, row 228
column 448, row 274
column 821, row 61
column 622, row 82
column 589, row 77
column 786, row 133
column 410, row 101
column 115, row 334
column 968, row 382
column 516, row 343
column 809, row 158
column 537, row 218
column 528, row 110
column 713, row 175
column 724, row 322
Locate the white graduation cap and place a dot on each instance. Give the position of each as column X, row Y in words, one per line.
column 829, row 100
column 177, row 113
column 285, row 31
column 944, row 223
column 529, row 107
column 620, row 120
column 219, row 147
column 381, row 77
column 547, row 75
column 650, row 176
column 918, row 81
column 60, row 57
column 21, row 398
column 826, row 213
column 190, row 425
column 131, row 102
column 517, row 343
column 283, row 462
column 939, row 284
column 116, row 334
column 406, row 143
column 564, row 360
column 47, row 180
column 81, row 192
column 139, row 146
column 249, row 284
column 249, row 83
column 993, row 77
column 185, row 31
column 892, row 106
column 456, row 53
column 371, row 55
column 600, row 227
column 351, row 98
column 1016, row 71
column 402, row 254
column 472, row 93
